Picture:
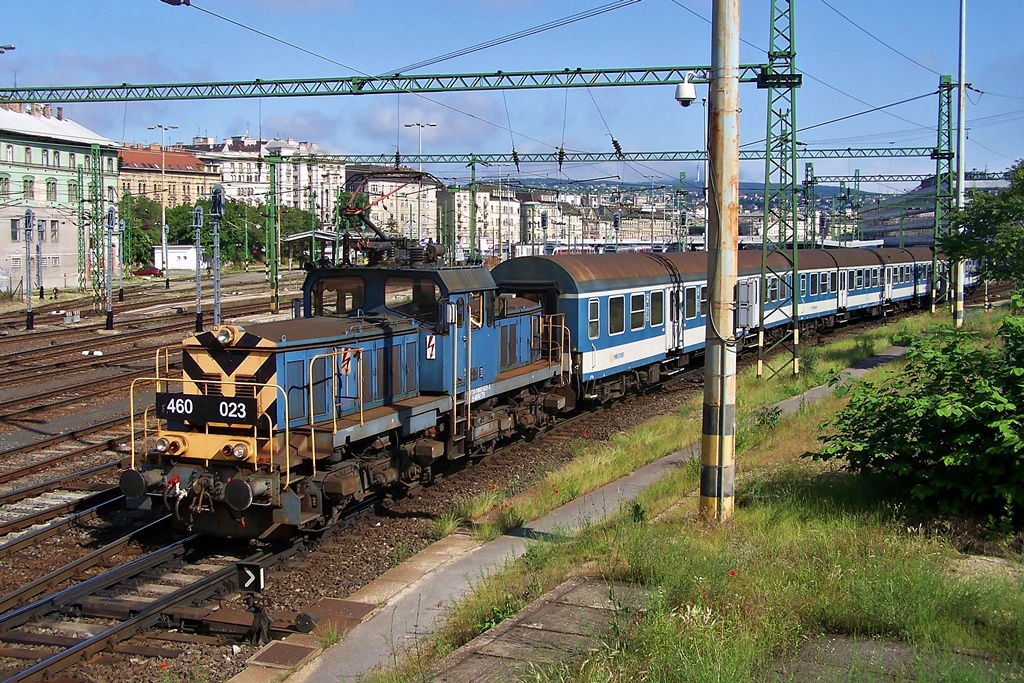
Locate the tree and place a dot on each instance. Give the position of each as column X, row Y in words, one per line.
column 990, row 229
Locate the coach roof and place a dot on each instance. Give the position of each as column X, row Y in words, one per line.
column 589, row 273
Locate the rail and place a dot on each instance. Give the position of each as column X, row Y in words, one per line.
column 151, row 615
column 347, row 354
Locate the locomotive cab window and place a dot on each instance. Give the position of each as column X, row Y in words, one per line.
column 338, row 295
column 636, row 312
column 414, row 297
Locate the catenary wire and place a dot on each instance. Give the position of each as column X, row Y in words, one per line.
column 879, row 40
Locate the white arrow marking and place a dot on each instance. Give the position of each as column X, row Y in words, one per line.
column 252, row 577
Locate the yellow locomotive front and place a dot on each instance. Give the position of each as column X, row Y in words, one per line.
column 215, row 446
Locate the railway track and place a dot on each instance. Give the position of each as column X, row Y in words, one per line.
column 39, row 503
column 100, row 613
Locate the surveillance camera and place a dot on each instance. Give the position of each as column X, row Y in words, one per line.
column 686, row 93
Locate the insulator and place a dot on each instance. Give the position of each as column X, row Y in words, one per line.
column 561, row 157
column 515, row 158
column 398, row 158
column 618, row 148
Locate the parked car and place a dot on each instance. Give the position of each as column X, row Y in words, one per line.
column 151, row 271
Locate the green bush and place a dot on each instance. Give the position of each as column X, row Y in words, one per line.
column 948, row 429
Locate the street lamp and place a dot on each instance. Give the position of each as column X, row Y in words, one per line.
column 419, row 135
column 163, row 201
column 5, row 48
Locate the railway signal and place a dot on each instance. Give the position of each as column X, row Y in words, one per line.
column 250, row 577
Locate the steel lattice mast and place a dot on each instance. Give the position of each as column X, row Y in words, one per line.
column 944, row 187
column 779, row 233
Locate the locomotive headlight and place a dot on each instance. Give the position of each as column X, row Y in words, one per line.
column 240, row 451
column 225, row 336
column 169, row 446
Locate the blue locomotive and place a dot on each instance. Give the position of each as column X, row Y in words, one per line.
column 400, row 366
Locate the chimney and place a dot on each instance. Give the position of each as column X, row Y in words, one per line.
column 60, row 113
column 37, row 109
column 47, row 111
column 17, row 107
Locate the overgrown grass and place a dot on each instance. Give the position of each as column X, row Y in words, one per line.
column 811, row 549
column 504, row 506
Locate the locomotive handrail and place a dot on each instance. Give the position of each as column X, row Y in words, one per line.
column 254, row 458
column 357, row 354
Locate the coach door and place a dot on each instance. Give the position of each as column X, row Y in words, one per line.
column 887, row 287
column 674, row 329
column 841, row 302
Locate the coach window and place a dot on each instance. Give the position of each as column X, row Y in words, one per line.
column 616, row 315
column 803, row 285
column 593, row 318
column 636, row 311
column 832, row 282
column 703, row 300
column 657, row 308
column 814, row 284
column 773, row 289
column 691, row 303
column 859, row 283
column 338, row 295
column 874, row 277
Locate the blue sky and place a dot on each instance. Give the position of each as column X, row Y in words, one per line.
column 65, row 42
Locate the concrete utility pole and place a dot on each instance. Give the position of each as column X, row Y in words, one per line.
column 163, row 201
column 958, row 267
column 718, row 442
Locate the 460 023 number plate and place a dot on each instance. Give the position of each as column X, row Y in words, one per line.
column 203, row 409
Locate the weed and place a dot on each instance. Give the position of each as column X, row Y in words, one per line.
column 444, row 524
column 500, row 612
column 329, row 637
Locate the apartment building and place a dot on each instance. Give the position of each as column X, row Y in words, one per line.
column 47, row 164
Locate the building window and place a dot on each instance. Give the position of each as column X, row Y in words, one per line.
column 56, row 158
column 88, row 163
column 15, row 262
column 72, row 192
column 28, row 189
column 616, row 315
column 111, row 194
column 10, row 154
column 55, row 234
column 636, row 312
column 51, row 190
column 5, row 186
column 15, row 230
column 110, row 164
column 71, row 159
column 41, row 229
column 46, row 157
column 142, row 188
column 28, row 155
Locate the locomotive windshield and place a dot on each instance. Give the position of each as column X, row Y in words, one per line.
column 414, row 297
column 338, row 295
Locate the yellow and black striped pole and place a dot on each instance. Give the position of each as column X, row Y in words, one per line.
column 718, row 442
